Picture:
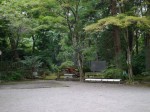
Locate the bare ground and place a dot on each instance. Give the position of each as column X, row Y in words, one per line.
column 67, row 96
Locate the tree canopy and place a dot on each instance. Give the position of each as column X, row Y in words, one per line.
column 77, row 32
column 122, row 21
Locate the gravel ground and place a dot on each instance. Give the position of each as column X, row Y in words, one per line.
column 67, row 96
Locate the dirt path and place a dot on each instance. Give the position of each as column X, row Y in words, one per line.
column 55, row 96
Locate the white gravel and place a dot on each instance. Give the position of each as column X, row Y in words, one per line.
column 67, row 96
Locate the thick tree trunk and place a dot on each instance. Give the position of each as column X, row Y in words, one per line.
column 116, row 37
column 129, row 56
column 117, row 46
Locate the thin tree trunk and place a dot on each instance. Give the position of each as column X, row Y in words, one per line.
column 130, row 38
column 73, row 23
column 129, row 64
column 33, row 44
column 137, row 43
column 80, row 64
column 78, row 55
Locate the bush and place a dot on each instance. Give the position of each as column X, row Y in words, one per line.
column 94, row 75
column 54, row 68
column 139, row 63
column 114, row 73
column 12, row 76
column 145, row 73
column 66, row 64
column 86, row 69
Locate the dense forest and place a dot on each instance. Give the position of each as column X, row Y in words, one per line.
column 56, row 33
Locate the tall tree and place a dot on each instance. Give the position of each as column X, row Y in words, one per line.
column 124, row 22
column 72, row 17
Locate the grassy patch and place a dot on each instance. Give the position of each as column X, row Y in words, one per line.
column 142, row 78
column 147, row 78
column 52, row 77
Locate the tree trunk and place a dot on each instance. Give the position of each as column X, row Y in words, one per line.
column 14, row 49
column 129, row 56
column 33, row 44
column 116, row 37
column 78, row 56
column 73, row 25
column 129, row 64
column 137, row 43
column 130, row 38
column 80, row 64
column 117, row 46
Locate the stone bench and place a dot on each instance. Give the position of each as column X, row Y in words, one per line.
column 103, row 80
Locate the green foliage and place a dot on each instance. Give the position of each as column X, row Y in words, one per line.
column 48, row 48
column 51, row 77
column 12, row 75
column 42, row 28
column 121, row 20
column 89, row 53
column 122, row 60
column 145, row 77
column 54, row 68
column 139, row 63
column 32, row 62
column 94, row 75
column 66, row 50
column 145, row 73
column 66, row 64
column 114, row 73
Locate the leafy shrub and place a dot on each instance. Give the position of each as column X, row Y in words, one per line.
column 142, row 78
column 139, row 63
column 32, row 62
column 66, row 64
column 121, row 60
column 146, row 79
column 145, row 73
column 12, row 76
column 94, row 75
column 54, row 68
column 114, row 73
column 86, row 69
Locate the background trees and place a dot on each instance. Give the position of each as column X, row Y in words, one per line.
column 54, row 30
column 131, row 17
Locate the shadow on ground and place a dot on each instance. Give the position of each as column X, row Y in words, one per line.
column 31, row 84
